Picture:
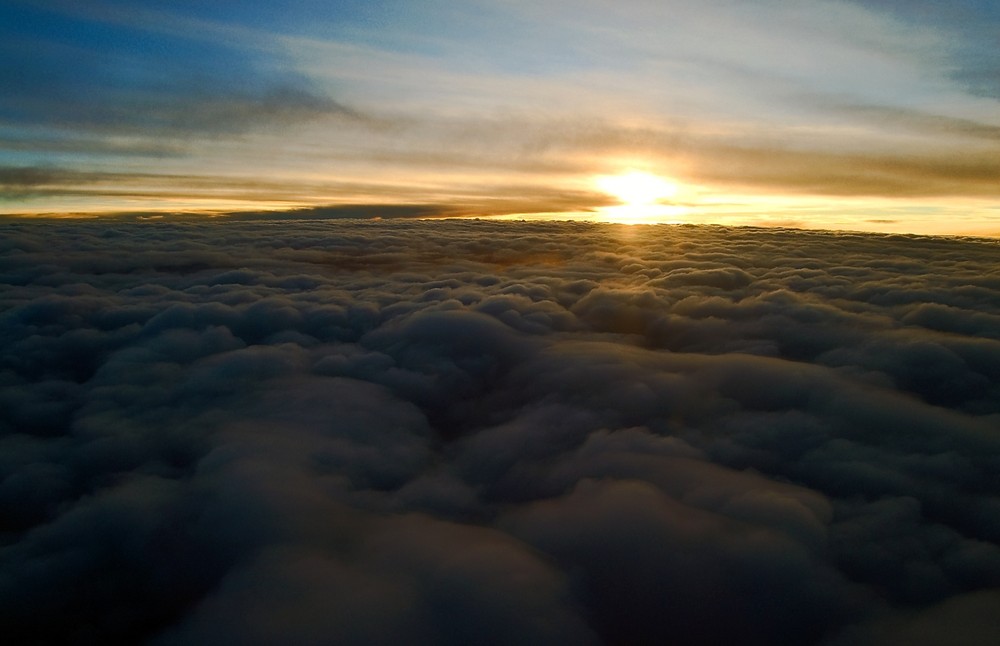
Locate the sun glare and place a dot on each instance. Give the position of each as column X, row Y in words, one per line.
column 636, row 188
column 642, row 198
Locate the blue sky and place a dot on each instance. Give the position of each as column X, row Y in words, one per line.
column 823, row 113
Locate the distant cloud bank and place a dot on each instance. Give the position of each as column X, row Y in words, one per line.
column 358, row 432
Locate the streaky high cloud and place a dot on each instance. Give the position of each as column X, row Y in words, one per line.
column 83, row 69
column 836, row 114
column 462, row 431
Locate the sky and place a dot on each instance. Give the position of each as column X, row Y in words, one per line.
column 478, row 432
column 325, row 322
column 871, row 115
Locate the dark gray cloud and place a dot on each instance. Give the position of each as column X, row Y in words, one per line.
column 921, row 121
column 277, row 431
column 942, row 171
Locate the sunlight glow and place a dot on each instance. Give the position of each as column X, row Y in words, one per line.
column 642, row 198
column 636, row 188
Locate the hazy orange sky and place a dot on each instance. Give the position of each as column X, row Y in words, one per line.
column 866, row 114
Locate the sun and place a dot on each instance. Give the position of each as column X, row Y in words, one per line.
column 643, row 198
column 636, row 188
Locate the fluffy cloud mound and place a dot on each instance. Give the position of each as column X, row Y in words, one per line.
column 475, row 432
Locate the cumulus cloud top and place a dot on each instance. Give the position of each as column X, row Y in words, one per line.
column 479, row 432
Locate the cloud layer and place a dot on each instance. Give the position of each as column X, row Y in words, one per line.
column 470, row 432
